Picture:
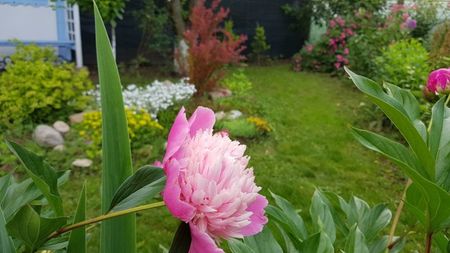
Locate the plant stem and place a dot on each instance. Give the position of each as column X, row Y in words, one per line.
column 428, row 242
column 398, row 212
column 105, row 217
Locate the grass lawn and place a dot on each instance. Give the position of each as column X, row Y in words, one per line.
column 311, row 146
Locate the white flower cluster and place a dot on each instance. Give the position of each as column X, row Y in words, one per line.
column 154, row 97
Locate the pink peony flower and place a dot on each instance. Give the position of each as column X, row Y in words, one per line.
column 208, row 183
column 439, row 81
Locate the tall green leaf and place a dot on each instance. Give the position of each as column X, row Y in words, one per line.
column 44, row 176
column 355, row 242
column 264, row 242
column 321, row 217
column 77, row 239
column 118, row 235
column 318, row 243
column 237, row 246
column 397, row 113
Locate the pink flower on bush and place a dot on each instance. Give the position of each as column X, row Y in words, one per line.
column 411, row 24
column 332, row 23
column 337, row 65
column 339, row 58
column 346, row 51
column 340, row 21
column 208, row 183
column 343, row 36
column 439, row 81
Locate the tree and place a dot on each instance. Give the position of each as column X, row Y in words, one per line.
column 259, row 44
column 111, row 11
column 211, row 47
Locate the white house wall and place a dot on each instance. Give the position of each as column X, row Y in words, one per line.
column 28, row 23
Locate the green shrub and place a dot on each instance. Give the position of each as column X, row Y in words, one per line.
column 238, row 82
column 35, row 86
column 439, row 42
column 404, row 63
column 240, row 128
column 259, row 44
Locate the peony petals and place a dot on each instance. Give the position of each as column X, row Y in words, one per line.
column 202, row 242
column 172, row 192
column 258, row 220
column 177, row 135
column 202, row 119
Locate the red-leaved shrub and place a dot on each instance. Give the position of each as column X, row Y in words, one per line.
column 211, row 47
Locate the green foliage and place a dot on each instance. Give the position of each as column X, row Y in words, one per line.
column 426, row 17
column 35, row 86
column 404, row 63
column 259, row 43
column 111, row 10
column 428, row 197
column 238, row 82
column 239, row 128
column 351, row 226
column 154, row 22
column 141, row 128
column 439, row 42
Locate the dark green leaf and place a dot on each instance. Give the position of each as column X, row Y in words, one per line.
column 140, row 187
column 25, row 226
column 289, row 244
column 263, row 242
column 43, row 176
column 443, row 167
column 77, row 239
column 5, row 182
column 6, row 244
column 47, row 227
column 355, row 241
column 237, row 246
column 182, row 239
column 117, row 235
column 400, row 117
column 318, row 243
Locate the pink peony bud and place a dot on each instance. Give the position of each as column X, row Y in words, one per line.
column 209, row 184
column 439, row 81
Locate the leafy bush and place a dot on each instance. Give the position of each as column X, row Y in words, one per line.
column 35, row 86
column 141, row 128
column 404, row 63
column 440, row 45
column 211, row 47
column 259, row 44
column 239, row 128
column 238, row 82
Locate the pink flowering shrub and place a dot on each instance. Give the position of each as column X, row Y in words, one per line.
column 209, row 185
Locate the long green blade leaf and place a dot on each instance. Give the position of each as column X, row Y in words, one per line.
column 77, row 239
column 6, row 244
column 118, row 235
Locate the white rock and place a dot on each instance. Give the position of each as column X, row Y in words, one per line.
column 47, row 136
column 234, row 114
column 59, row 148
column 82, row 163
column 61, row 127
column 76, row 118
column 220, row 115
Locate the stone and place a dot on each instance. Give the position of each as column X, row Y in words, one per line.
column 220, row 93
column 61, row 127
column 82, row 163
column 220, row 115
column 59, row 148
column 234, row 114
column 76, row 118
column 47, row 136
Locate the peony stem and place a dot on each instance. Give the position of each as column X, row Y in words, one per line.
column 105, row 217
column 428, row 242
column 398, row 212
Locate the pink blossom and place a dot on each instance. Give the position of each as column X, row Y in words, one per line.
column 349, row 31
column 345, row 61
column 208, row 183
column 405, row 16
column 332, row 23
column 339, row 58
column 343, row 36
column 439, row 81
column 346, row 51
column 340, row 21
column 337, row 65
column 332, row 42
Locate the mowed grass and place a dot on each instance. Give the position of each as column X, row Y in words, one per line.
column 310, row 146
